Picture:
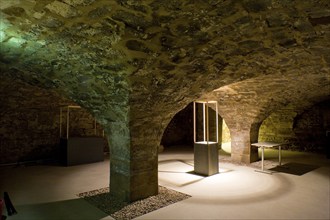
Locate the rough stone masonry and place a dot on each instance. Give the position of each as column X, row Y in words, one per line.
column 135, row 64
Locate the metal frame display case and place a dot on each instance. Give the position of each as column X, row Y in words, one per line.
column 78, row 150
column 206, row 137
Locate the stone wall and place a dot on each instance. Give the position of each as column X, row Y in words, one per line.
column 81, row 123
column 225, row 133
column 29, row 122
column 310, row 128
column 28, row 134
column 304, row 131
column 135, row 64
column 278, row 127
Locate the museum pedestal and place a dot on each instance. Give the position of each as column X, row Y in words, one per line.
column 81, row 150
column 78, row 150
column 206, row 137
column 206, row 160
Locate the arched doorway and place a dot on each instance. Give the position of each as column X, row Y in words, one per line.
column 179, row 132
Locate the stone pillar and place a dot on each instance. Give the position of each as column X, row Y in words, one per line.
column 120, row 163
column 133, row 162
column 254, row 134
column 241, row 139
column 144, row 160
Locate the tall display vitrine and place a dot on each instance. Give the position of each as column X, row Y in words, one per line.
column 76, row 150
column 206, row 138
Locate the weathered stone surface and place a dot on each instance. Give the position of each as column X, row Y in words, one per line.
column 78, row 2
column 132, row 20
column 320, row 21
column 303, row 26
column 277, row 20
column 303, row 131
column 15, row 11
column 134, row 5
column 137, row 45
column 51, row 22
column 30, row 125
column 62, row 9
column 256, row 5
column 98, row 12
column 177, row 52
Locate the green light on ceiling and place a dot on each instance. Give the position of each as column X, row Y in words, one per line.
column 4, row 24
column 2, row 36
column 16, row 42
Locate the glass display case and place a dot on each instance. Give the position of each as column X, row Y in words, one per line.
column 82, row 149
column 206, row 137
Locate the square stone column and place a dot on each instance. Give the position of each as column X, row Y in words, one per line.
column 133, row 163
column 241, row 149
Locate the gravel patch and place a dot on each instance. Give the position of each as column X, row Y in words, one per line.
column 102, row 199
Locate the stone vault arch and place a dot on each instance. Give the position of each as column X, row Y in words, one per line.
column 134, row 64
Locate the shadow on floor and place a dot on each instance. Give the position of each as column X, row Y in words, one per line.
column 69, row 210
column 295, row 168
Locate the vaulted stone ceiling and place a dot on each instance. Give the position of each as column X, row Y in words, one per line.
column 255, row 99
column 134, row 64
column 162, row 52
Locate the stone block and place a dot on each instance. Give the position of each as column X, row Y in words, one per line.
column 99, row 12
column 74, row 2
column 131, row 20
column 62, row 9
column 304, row 26
column 15, row 11
column 256, row 5
column 277, row 20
